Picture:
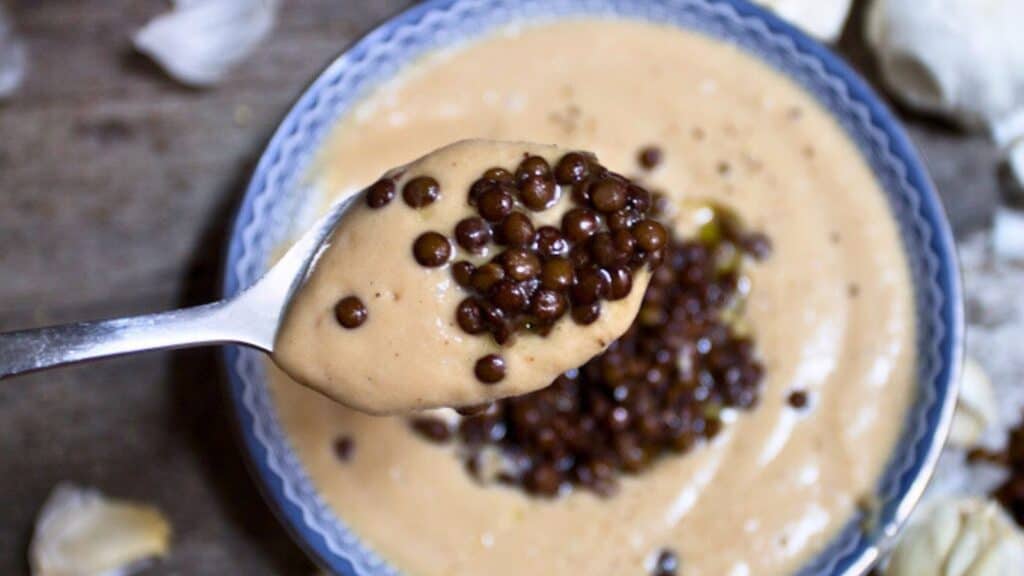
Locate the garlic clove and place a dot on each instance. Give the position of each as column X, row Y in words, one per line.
column 822, row 19
column 1008, row 235
column 199, row 41
column 995, row 560
column 961, row 59
column 964, row 537
column 1008, row 130
column 13, row 57
column 80, row 532
column 976, row 409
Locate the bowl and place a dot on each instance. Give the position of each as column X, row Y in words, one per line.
column 274, row 201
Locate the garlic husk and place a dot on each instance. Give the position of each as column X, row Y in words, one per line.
column 1008, row 234
column 962, row 59
column 822, row 19
column 199, row 41
column 960, row 537
column 976, row 409
column 80, row 532
column 13, row 57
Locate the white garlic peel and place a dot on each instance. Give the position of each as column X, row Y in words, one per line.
column 199, row 41
column 962, row 59
column 1008, row 235
column 976, row 408
column 822, row 19
column 82, row 533
column 13, row 57
column 964, row 537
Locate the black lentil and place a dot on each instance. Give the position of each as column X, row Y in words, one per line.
column 558, row 274
column 499, row 174
column 579, row 224
column 470, row 317
column 509, row 296
column 421, row 191
column 350, row 312
column 517, row 230
column 495, row 203
column 487, row 276
column 490, row 369
column 584, row 314
column 538, row 193
column 551, row 243
column 432, row 249
column 609, row 195
column 666, row 563
column 520, row 264
column 548, row 305
column 649, row 235
column 344, row 446
column 649, row 157
column 572, row 168
column 532, row 166
column 472, row 233
column 432, row 428
column 381, row 193
column 798, row 399
column 463, row 271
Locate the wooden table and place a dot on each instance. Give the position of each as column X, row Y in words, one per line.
column 118, row 188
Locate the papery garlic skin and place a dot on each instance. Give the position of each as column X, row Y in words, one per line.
column 13, row 57
column 1008, row 235
column 822, row 19
column 199, row 41
column 976, row 409
column 964, row 537
column 962, row 59
column 80, row 532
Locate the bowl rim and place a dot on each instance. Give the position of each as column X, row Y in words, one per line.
column 282, row 497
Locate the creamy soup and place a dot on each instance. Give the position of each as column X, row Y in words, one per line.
column 831, row 311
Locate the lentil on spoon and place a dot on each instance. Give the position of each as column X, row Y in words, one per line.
column 487, row 279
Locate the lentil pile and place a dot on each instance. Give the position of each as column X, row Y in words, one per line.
column 543, row 273
column 538, row 274
column 660, row 389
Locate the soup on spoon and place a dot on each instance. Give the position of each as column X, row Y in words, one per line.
column 482, row 270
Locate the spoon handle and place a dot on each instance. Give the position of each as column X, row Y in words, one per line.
column 40, row 348
column 250, row 318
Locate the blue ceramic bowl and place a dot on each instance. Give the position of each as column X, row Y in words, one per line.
column 275, row 196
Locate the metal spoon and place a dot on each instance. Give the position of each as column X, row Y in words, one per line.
column 251, row 318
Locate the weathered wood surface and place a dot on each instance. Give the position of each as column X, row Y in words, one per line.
column 116, row 187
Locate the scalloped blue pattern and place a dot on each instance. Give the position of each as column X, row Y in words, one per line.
column 275, row 195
